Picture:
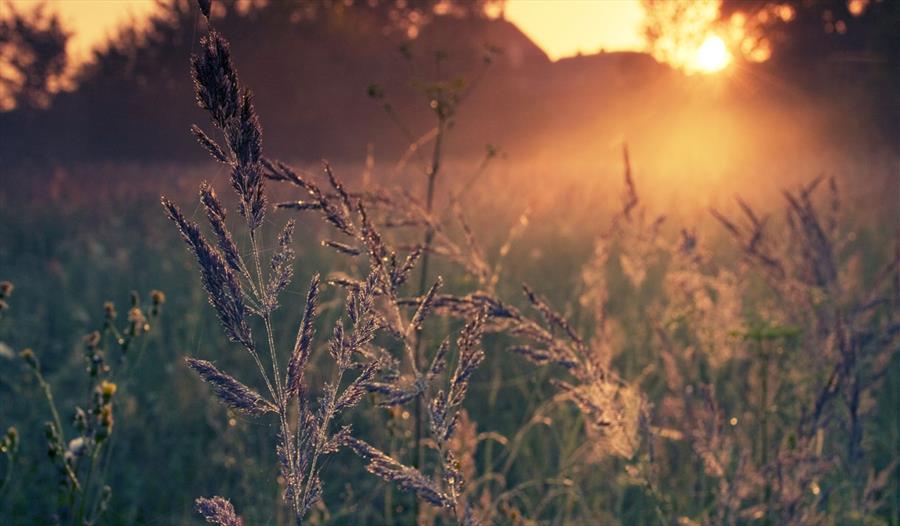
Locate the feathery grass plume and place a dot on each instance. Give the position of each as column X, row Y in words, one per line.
column 633, row 241
column 299, row 205
column 381, row 209
column 215, row 80
column 302, row 451
column 232, row 393
column 221, row 284
column 387, row 274
column 245, row 141
column 342, row 247
column 470, row 357
column 704, row 298
column 405, row 477
column 474, row 258
column 303, row 344
column 384, row 265
column 218, row 91
column 444, row 403
column 424, row 309
column 218, row 511
column 281, row 265
column 210, row 144
column 614, row 408
column 303, row 441
column 335, row 208
column 216, row 215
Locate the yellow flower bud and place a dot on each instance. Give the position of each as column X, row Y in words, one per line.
column 107, row 389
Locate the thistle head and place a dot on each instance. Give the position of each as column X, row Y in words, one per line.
column 9, row 444
column 6, row 288
column 157, row 297
column 109, row 310
column 92, row 340
column 105, row 419
column 157, row 300
column 30, row 358
column 137, row 320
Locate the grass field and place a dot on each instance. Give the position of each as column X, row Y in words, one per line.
column 69, row 254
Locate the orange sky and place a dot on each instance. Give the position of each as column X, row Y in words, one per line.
column 565, row 27
column 561, row 27
column 91, row 21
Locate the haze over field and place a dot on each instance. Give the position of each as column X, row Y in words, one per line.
column 710, row 99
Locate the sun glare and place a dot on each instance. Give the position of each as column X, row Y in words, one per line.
column 712, row 55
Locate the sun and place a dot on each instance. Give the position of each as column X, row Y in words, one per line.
column 712, row 55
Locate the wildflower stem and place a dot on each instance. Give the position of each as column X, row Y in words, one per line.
column 262, row 372
column 270, row 338
column 279, row 392
column 48, row 394
column 85, row 497
column 419, row 458
column 764, row 427
column 8, row 476
column 57, row 422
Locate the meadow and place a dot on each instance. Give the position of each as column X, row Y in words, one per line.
column 668, row 361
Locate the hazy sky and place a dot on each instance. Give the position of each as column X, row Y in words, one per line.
column 565, row 27
column 561, row 27
column 91, row 21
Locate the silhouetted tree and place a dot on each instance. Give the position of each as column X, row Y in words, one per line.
column 308, row 62
column 33, row 58
column 805, row 31
column 847, row 52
